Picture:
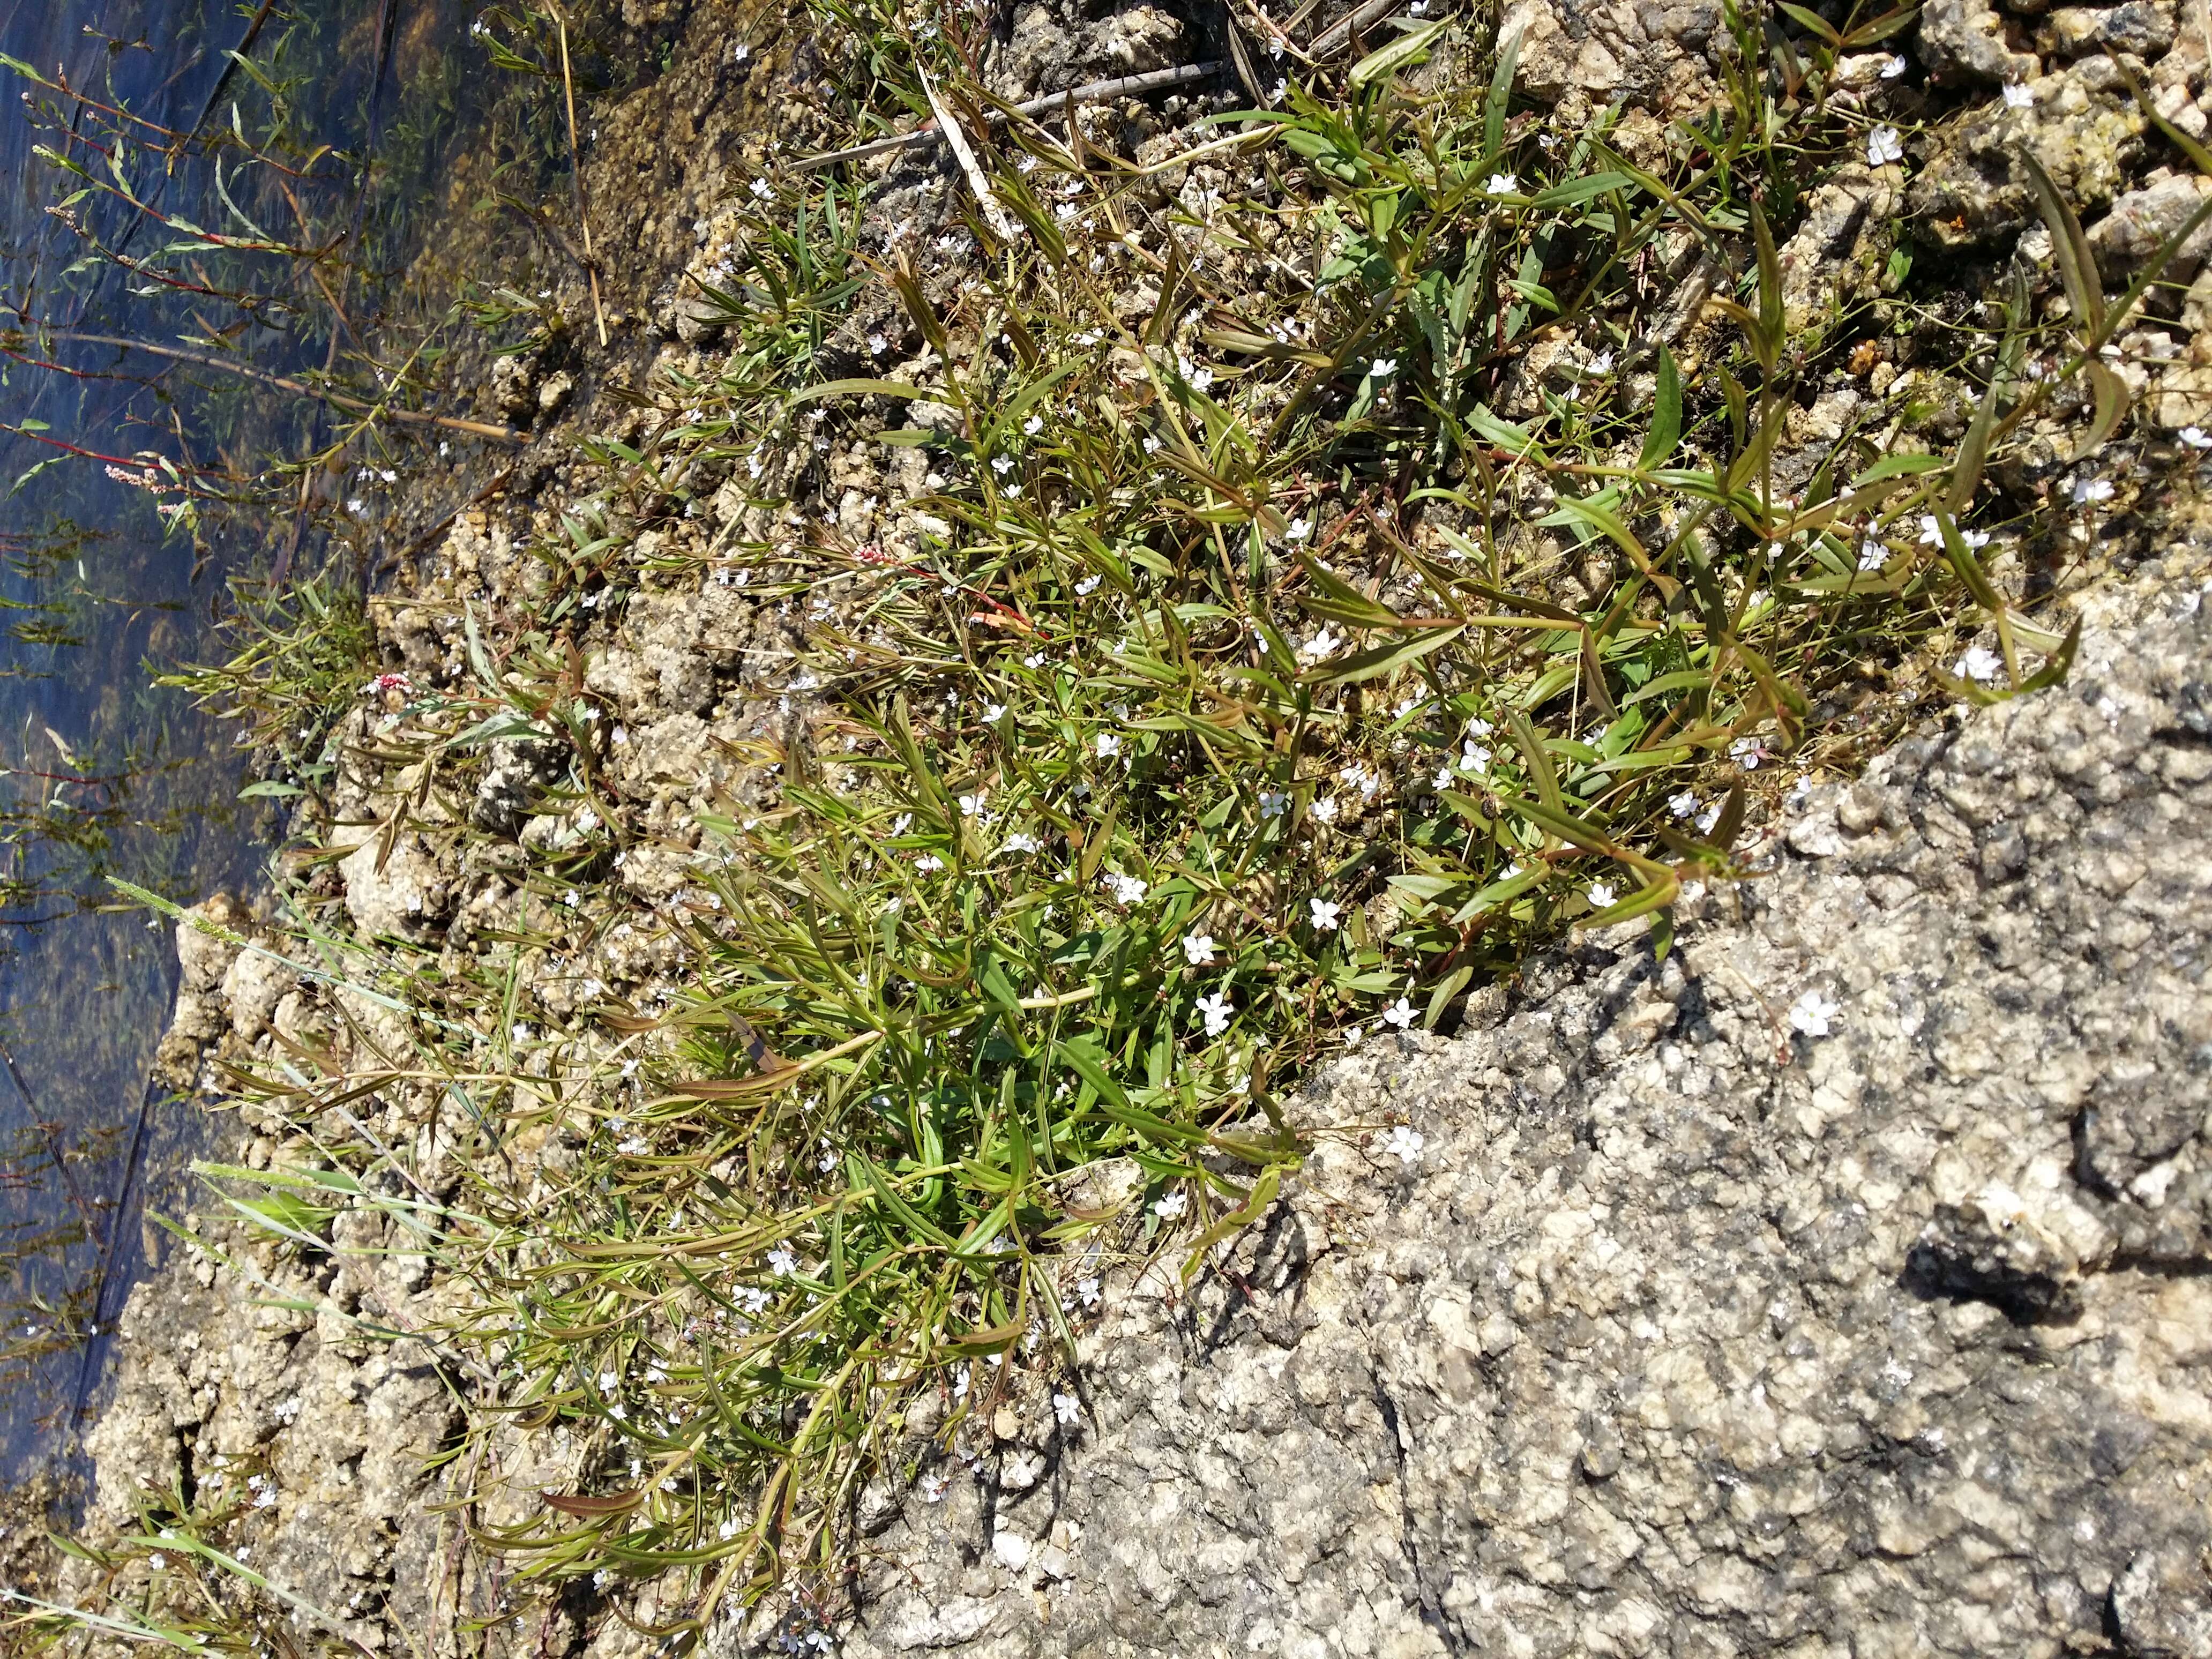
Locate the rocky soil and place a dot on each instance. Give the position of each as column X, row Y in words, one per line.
column 1836, row 1285
column 1841, row 1283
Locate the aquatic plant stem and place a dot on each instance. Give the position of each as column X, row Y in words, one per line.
column 285, row 383
column 576, row 174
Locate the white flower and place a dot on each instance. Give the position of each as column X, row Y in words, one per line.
column 1399, row 1014
column 1895, row 67
column 1444, row 779
column 972, row 806
column 1323, row 913
column 1478, row 727
column 1066, row 1407
column 783, row 1261
column 1501, row 184
column 1013, row 492
column 1384, row 367
column 1602, row 364
column 928, row 864
column 1022, row 842
column 1086, row 586
column 1321, row 645
column 1298, row 531
column 1474, row 758
column 1407, row 1142
column 1086, row 1291
column 878, row 345
column 1747, row 752
column 1872, row 554
column 1126, row 890
column 1151, row 446
column 1352, row 1034
column 994, row 713
column 1198, row 949
column 1108, row 745
column 1883, row 147
column 1170, row 1206
column 1931, row 530
column 761, row 190
column 1976, row 539
column 1215, row 1009
column 2086, row 491
column 2017, row 96
column 1034, row 425
column 932, row 1486
column 2195, row 437
column 1681, row 805
column 899, row 824
column 1811, row 1013
column 1979, row 664
column 1601, row 895
column 1324, row 810
column 1273, row 803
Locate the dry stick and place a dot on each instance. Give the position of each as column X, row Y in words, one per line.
column 285, row 383
column 1097, row 92
column 1339, row 33
column 948, row 126
column 576, row 174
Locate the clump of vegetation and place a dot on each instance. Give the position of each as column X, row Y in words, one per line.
column 1394, row 583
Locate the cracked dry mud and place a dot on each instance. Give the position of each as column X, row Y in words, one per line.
column 1688, row 1332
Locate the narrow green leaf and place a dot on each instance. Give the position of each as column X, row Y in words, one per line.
column 1666, row 413
column 1386, row 61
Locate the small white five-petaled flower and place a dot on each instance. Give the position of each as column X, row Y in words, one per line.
column 1170, row 1206
column 1384, row 367
column 1108, row 745
column 1501, row 184
column 1981, row 663
column 1273, row 803
column 1066, row 1408
column 1324, row 913
column 2017, row 96
column 1198, row 949
column 1884, row 146
column 1323, row 644
column 1399, row 1014
column 2086, row 491
column 1126, row 890
column 2195, row 437
column 1601, row 895
column 783, row 1261
column 1407, row 1142
column 1215, row 1011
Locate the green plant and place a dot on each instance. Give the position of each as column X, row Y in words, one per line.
column 1396, row 587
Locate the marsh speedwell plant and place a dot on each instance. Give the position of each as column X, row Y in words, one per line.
column 1352, row 549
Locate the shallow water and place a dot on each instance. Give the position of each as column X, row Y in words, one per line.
column 110, row 600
